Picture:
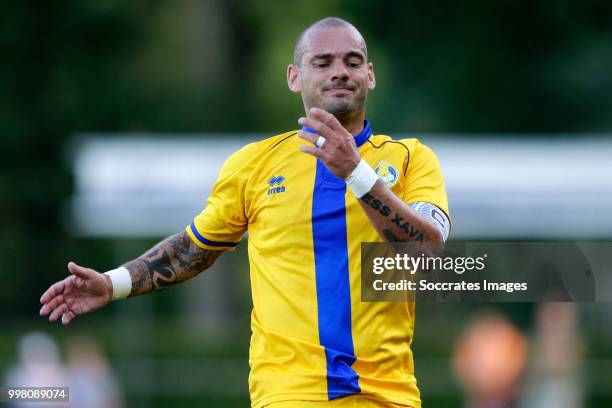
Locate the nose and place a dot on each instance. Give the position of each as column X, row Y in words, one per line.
column 339, row 71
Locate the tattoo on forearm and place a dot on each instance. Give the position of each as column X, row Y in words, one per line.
column 172, row 261
column 376, row 204
column 391, row 237
column 396, row 220
column 408, row 228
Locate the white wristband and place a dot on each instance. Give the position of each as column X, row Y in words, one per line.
column 362, row 179
column 122, row 282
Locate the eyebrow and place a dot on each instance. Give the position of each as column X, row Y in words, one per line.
column 347, row 55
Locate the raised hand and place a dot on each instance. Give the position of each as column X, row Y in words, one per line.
column 339, row 153
column 84, row 291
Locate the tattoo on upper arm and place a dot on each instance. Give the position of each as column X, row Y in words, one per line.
column 172, row 261
column 396, row 220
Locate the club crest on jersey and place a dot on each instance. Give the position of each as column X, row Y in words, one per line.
column 275, row 184
column 387, row 173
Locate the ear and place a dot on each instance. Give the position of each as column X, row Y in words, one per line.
column 293, row 78
column 371, row 77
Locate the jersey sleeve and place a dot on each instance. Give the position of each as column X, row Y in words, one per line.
column 424, row 181
column 222, row 223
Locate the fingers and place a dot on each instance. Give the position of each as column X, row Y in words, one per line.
column 57, row 312
column 79, row 271
column 324, row 124
column 320, row 127
column 52, row 304
column 54, row 300
column 311, row 137
column 67, row 317
column 54, row 290
column 316, row 152
column 58, row 287
column 327, row 118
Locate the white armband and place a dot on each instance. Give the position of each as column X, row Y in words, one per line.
column 362, row 179
column 434, row 214
column 122, row 282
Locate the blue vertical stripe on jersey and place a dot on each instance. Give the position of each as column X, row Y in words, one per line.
column 332, row 278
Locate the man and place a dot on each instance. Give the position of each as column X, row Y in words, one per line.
column 308, row 199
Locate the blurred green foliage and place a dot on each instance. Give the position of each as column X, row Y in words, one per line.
column 202, row 66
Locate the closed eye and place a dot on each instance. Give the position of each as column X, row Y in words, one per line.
column 354, row 62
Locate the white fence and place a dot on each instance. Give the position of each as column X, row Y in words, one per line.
column 499, row 187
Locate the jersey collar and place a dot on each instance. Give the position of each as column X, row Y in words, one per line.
column 364, row 135
column 360, row 138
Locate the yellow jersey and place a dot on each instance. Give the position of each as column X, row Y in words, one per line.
column 312, row 336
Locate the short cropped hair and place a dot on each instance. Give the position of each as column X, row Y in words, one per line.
column 298, row 51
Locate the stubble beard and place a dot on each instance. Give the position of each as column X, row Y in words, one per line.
column 343, row 109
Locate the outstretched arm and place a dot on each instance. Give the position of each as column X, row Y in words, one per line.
column 172, row 261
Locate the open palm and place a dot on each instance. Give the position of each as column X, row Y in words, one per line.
column 84, row 291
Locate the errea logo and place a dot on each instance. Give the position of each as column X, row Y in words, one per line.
column 276, row 181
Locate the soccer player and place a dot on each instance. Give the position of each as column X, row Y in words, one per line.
column 308, row 199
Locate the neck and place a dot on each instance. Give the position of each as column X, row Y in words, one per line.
column 353, row 123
